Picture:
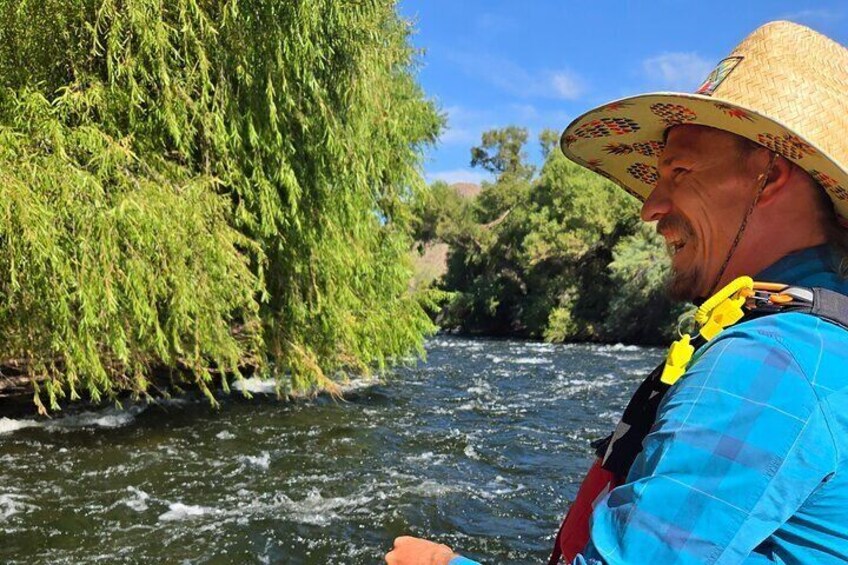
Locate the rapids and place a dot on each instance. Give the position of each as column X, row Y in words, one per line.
column 480, row 447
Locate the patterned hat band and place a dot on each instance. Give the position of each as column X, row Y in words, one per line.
column 752, row 93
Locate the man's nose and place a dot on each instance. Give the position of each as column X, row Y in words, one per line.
column 657, row 204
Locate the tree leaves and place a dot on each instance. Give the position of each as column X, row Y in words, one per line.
column 203, row 184
column 501, row 152
column 560, row 256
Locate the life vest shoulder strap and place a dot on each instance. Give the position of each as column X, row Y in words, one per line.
column 831, row 306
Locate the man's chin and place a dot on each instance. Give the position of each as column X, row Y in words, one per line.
column 684, row 286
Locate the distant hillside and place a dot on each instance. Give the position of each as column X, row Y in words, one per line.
column 430, row 258
column 430, row 262
column 466, row 189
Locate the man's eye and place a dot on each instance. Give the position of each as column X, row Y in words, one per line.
column 677, row 171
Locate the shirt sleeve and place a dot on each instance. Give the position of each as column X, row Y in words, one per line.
column 460, row 560
column 739, row 444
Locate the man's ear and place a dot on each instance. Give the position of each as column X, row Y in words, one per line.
column 778, row 180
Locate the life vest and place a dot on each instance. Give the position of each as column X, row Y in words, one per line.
column 741, row 300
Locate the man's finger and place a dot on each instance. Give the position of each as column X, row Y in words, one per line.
column 391, row 558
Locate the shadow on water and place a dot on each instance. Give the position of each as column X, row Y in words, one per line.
column 481, row 448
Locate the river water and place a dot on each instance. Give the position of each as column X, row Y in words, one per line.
column 481, row 447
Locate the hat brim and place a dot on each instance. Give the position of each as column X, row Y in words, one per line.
column 621, row 140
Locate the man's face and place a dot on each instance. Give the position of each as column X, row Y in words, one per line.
column 701, row 198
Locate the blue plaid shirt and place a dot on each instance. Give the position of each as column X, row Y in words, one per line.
column 748, row 459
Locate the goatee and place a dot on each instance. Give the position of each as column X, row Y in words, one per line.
column 683, row 286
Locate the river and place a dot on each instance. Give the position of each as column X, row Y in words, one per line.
column 481, row 447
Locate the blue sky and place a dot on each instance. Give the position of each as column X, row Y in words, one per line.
column 539, row 63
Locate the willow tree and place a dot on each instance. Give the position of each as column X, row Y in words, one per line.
column 197, row 184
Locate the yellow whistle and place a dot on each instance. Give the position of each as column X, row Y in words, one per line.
column 679, row 355
column 723, row 309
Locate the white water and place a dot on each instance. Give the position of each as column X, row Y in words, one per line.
column 487, row 436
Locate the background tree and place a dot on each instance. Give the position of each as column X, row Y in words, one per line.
column 548, row 141
column 502, row 152
column 639, row 304
column 442, row 214
column 561, row 256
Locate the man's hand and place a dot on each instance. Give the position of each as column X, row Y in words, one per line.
column 414, row 551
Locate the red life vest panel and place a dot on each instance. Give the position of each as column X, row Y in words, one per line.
column 573, row 534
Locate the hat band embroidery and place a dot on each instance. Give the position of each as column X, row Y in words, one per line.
column 717, row 76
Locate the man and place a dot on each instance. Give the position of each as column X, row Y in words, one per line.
column 747, row 458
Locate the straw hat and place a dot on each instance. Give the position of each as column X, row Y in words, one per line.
column 785, row 87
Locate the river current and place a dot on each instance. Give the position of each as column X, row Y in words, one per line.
column 480, row 447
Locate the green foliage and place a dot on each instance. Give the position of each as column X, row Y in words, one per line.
column 573, row 209
column 440, row 213
column 548, row 142
column 561, row 325
column 559, row 257
column 639, row 306
column 97, row 278
column 502, row 152
column 202, row 183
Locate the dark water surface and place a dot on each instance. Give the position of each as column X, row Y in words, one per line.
column 481, row 447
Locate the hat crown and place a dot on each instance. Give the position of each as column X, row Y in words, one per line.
column 786, row 49
column 798, row 77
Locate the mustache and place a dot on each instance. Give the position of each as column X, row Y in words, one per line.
column 676, row 225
